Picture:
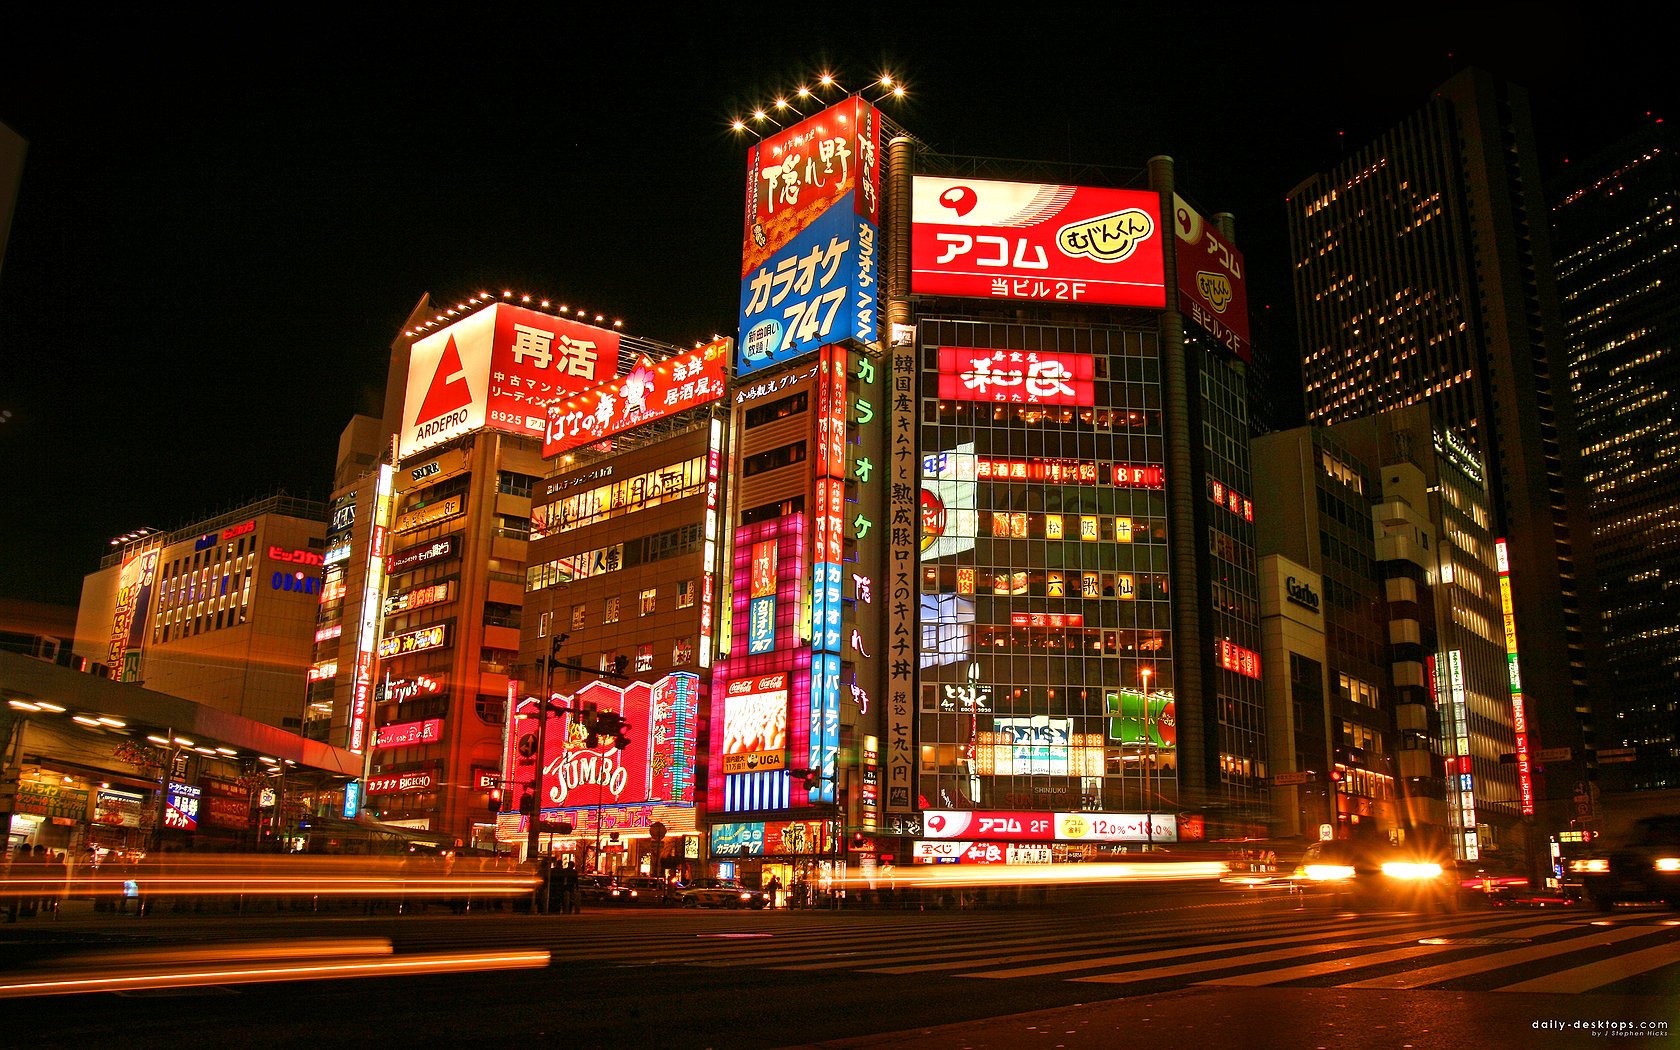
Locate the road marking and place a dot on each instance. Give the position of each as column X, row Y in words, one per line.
column 1499, row 959
column 1320, row 942
column 1599, row 974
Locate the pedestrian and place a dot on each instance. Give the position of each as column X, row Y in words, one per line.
column 775, row 891
column 570, row 885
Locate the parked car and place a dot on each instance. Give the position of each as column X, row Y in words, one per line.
column 721, row 893
column 643, row 890
column 603, row 889
column 1374, row 874
column 1645, row 868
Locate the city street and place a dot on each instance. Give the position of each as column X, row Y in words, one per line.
column 1090, row 969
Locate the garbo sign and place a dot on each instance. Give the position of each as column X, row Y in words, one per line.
column 1301, row 594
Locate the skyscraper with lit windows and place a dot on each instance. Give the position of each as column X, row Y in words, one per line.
column 1616, row 223
column 1422, row 271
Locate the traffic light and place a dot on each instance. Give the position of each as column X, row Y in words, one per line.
column 607, row 724
column 621, row 663
column 809, row 776
column 528, row 802
column 857, row 841
column 495, row 800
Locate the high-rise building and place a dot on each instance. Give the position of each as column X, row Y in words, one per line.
column 1389, row 516
column 620, row 613
column 994, row 592
column 423, row 599
column 1616, row 224
column 1423, row 275
column 221, row 612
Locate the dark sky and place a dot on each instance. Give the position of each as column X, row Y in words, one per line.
column 219, row 232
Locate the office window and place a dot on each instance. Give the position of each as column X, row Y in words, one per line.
column 577, row 617
column 685, row 594
column 611, row 614
column 649, row 600
column 644, row 657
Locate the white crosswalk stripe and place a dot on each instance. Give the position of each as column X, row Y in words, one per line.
column 1470, row 950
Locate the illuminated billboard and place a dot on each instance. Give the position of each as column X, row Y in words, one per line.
column 1011, row 240
column 1130, row 722
column 948, row 503
column 657, row 767
column 1519, row 714
column 652, row 390
column 1036, row 826
column 499, row 368
column 1212, row 293
column 128, row 624
column 809, row 259
column 1016, row 377
column 755, row 723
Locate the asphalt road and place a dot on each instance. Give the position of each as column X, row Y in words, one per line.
column 1133, row 967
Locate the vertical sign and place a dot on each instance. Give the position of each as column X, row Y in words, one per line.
column 373, row 599
column 761, row 606
column 1519, row 717
column 808, row 255
column 128, row 625
column 827, row 617
column 904, row 507
column 709, row 556
column 1211, row 290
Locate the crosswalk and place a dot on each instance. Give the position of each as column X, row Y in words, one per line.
column 1523, row 951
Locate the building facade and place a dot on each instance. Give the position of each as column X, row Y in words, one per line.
column 1618, row 248
column 221, row 612
column 1423, row 275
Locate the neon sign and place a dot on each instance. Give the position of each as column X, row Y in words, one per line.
column 1519, row 716
column 1016, row 376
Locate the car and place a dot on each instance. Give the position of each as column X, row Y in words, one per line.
column 643, row 890
column 603, row 889
column 721, row 893
column 1645, row 868
column 1374, row 874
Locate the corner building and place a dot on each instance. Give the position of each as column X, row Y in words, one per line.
column 994, row 595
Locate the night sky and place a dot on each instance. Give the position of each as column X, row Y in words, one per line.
column 219, row 233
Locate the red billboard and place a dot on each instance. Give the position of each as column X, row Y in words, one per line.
column 808, row 253
column 1212, row 293
column 1025, row 377
column 652, row 390
column 1014, row 240
column 656, row 767
column 499, row 368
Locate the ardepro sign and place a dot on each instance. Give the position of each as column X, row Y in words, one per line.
column 499, row 368
column 1015, row 240
column 809, row 258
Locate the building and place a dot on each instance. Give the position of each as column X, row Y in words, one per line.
column 994, row 593
column 1423, row 275
column 112, row 767
column 1318, row 557
column 620, row 613
column 1390, row 515
column 1618, row 248
column 423, row 600
column 221, row 612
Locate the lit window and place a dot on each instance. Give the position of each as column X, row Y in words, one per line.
column 649, row 598
column 577, row 617
column 644, row 657
column 611, row 614
column 685, row 594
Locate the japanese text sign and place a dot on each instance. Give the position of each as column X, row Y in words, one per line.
column 1212, row 292
column 1012, row 240
column 808, row 262
column 652, row 390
